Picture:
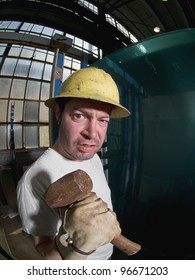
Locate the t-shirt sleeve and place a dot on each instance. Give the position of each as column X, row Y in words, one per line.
column 36, row 216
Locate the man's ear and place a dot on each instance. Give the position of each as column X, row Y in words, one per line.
column 57, row 113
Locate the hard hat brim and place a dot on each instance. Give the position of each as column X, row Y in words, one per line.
column 118, row 110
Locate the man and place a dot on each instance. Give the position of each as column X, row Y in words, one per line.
column 83, row 108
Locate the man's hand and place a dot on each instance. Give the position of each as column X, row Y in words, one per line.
column 90, row 224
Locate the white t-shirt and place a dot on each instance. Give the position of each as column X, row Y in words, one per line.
column 38, row 218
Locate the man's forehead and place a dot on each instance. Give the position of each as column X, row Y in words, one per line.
column 83, row 103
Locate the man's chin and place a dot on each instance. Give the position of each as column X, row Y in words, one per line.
column 84, row 156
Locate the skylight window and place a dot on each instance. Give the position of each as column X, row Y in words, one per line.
column 88, row 6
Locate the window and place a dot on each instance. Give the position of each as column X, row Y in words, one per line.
column 25, row 77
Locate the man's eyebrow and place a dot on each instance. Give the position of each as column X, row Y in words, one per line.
column 85, row 110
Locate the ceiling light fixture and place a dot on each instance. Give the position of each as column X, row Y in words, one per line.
column 157, row 29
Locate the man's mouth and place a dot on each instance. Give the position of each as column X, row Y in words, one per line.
column 87, row 148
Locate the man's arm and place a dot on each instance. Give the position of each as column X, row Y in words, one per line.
column 46, row 246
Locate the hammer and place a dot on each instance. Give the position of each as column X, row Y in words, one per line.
column 73, row 187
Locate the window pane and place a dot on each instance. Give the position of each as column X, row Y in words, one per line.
column 40, row 54
column 8, row 66
column 30, row 137
column 15, row 50
column 26, row 26
column 37, row 28
column 48, row 31
column 76, row 64
column 45, row 90
column 95, row 50
column 44, row 136
column 27, row 52
column 4, row 24
column 31, row 111
column 3, row 133
column 3, row 110
column 2, row 49
column 36, row 70
column 47, row 72
column 4, row 87
column 50, row 57
column 87, row 46
column 68, row 61
column 33, row 90
column 18, row 136
column 78, row 42
column 66, row 73
column 22, row 67
column 14, row 25
column 18, row 89
column 44, row 113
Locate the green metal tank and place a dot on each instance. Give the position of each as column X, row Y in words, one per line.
column 151, row 154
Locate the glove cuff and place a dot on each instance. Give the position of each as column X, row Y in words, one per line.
column 70, row 243
column 65, row 240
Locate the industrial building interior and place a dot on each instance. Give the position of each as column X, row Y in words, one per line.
column 149, row 159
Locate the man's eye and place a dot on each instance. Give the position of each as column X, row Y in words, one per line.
column 104, row 121
column 78, row 116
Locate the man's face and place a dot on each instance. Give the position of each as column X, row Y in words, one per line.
column 83, row 128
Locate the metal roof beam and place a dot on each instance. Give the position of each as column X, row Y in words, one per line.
column 87, row 26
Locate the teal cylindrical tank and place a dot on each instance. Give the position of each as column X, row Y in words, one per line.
column 151, row 155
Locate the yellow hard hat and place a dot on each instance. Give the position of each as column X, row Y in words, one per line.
column 92, row 83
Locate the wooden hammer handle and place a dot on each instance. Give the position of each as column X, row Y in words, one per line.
column 125, row 245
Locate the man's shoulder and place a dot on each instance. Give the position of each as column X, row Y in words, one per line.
column 48, row 157
column 41, row 163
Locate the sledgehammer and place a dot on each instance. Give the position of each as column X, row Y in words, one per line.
column 75, row 186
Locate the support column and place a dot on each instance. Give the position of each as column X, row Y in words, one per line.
column 56, row 82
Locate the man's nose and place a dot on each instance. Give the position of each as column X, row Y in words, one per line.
column 90, row 130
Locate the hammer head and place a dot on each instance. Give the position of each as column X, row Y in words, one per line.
column 68, row 189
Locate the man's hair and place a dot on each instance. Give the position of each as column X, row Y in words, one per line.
column 62, row 102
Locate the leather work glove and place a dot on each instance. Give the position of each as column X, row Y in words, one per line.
column 88, row 224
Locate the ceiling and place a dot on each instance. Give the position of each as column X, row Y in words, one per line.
column 141, row 16
column 138, row 16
